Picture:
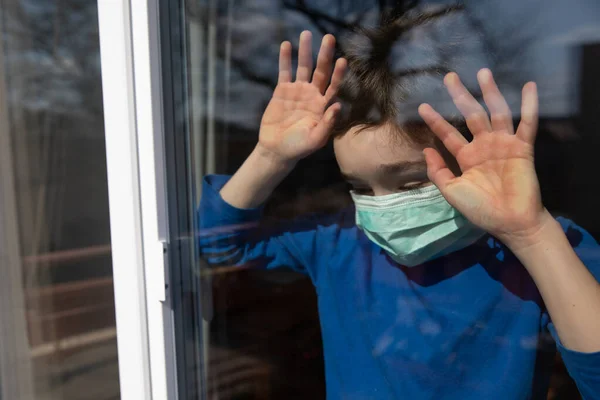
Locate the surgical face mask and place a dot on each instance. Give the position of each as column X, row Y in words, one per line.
column 414, row 226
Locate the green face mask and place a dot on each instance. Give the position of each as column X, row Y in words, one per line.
column 414, row 226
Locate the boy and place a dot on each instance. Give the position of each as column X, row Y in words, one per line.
column 444, row 278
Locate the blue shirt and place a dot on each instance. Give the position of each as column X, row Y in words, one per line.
column 469, row 325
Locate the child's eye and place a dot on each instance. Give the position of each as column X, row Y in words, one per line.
column 411, row 186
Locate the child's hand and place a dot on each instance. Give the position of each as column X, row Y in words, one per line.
column 296, row 123
column 498, row 190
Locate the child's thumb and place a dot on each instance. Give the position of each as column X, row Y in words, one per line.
column 324, row 127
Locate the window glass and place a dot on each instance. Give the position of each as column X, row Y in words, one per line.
column 330, row 263
column 58, row 335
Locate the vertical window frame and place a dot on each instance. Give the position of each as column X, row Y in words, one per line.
column 132, row 95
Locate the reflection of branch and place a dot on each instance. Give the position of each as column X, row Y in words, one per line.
column 423, row 71
column 317, row 17
column 382, row 4
column 431, row 15
column 399, row 9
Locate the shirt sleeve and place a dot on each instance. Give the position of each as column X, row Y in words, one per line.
column 584, row 368
column 233, row 236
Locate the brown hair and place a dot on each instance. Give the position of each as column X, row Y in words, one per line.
column 372, row 91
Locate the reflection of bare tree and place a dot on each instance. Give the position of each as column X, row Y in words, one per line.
column 505, row 45
column 53, row 63
column 385, row 11
column 323, row 21
column 56, row 55
column 247, row 38
column 336, row 17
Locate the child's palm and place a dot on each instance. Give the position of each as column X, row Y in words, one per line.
column 289, row 124
column 296, row 122
column 498, row 189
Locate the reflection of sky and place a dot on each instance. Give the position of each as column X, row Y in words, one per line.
column 536, row 41
column 559, row 27
column 556, row 28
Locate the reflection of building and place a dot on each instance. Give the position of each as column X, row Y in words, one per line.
column 15, row 364
column 566, row 151
column 57, row 296
column 584, row 193
column 57, row 323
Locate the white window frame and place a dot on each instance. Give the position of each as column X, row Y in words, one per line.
column 133, row 115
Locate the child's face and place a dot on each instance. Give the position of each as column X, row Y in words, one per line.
column 377, row 162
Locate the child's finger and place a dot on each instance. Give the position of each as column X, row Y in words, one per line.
column 475, row 115
column 336, row 78
column 304, row 57
column 452, row 139
column 285, row 62
column 322, row 73
column 323, row 128
column 499, row 111
column 527, row 129
column 437, row 170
